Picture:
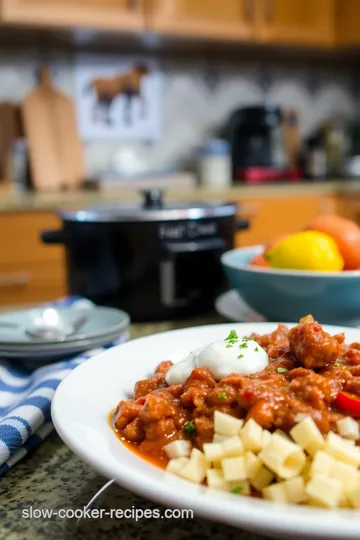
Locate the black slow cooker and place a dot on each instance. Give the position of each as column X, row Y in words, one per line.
column 155, row 260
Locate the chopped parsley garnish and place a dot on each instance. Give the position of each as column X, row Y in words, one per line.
column 222, row 395
column 344, row 367
column 243, row 345
column 232, row 337
column 282, row 370
column 240, row 356
column 256, row 349
column 337, row 364
column 190, row 427
column 237, row 490
column 229, row 345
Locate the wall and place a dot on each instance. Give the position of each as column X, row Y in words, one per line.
column 198, row 96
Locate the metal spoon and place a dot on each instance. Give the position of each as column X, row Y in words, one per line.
column 47, row 332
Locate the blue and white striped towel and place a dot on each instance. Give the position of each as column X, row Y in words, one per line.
column 25, row 399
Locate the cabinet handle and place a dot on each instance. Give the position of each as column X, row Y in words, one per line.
column 248, row 10
column 14, row 280
column 269, row 10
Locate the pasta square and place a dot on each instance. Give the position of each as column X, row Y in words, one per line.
column 232, row 447
column 262, row 478
column 176, row 465
column 295, row 490
column 341, row 450
column 215, row 479
column 234, row 468
column 348, row 428
column 307, row 435
column 276, row 492
column 213, row 451
column 283, row 457
column 252, row 464
column 324, row 491
column 227, row 425
column 322, row 463
column 252, row 436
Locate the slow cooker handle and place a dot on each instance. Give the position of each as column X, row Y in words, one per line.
column 53, row 237
column 195, row 245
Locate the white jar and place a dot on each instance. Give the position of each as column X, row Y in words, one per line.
column 215, row 164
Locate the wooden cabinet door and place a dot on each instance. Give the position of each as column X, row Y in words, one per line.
column 102, row 14
column 348, row 22
column 302, row 22
column 213, row 19
column 271, row 217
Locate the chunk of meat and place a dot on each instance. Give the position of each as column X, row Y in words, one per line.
column 125, row 413
column 312, row 346
column 134, row 431
column 144, row 387
column 164, row 367
column 157, row 407
column 278, row 337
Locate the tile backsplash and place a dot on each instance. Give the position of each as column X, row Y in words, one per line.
column 198, row 96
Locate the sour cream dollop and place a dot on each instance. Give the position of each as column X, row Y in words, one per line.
column 231, row 355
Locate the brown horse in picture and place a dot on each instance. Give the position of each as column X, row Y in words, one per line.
column 128, row 85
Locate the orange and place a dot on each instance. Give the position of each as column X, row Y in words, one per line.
column 346, row 234
column 259, row 260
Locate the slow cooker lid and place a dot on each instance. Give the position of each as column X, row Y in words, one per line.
column 152, row 208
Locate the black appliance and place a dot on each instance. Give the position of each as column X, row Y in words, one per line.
column 155, row 260
column 256, row 138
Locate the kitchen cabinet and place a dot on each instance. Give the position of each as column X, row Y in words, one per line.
column 30, row 272
column 270, row 217
column 128, row 15
column 347, row 22
column 226, row 20
column 301, row 22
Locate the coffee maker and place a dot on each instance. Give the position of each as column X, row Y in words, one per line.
column 265, row 143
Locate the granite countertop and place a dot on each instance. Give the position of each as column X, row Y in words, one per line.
column 32, row 201
column 53, row 477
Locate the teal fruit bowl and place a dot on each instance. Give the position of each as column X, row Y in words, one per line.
column 288, row 295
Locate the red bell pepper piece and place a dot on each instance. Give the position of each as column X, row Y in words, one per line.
column 348, row 402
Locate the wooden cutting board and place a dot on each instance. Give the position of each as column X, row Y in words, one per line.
column 55, row 150
column 10, row 130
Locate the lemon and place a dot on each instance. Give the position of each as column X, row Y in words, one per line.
column 308, row 250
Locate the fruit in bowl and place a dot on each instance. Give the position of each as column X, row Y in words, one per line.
column 316, row 270
column 330, row 244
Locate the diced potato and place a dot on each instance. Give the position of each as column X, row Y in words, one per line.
column 307, row 435
column 276, row 492
column 232, row 447
column 252, row 464
column 178, row 448
column 324, row 491
column 194, row 470
column 234, row 468
column 305, row 473
column 295, row 490
column 322, row 463
column 283, row 457
column 219, row 438
column 227, row 425
column 213, row 451
column 240, row 487
column 215, row 479
column 252, row 436
column 282, row 434
column 266, row 436
column 346, row 474
column 176, row 465
column 262, row 479
column 348, row 428
column 341, row 450
column 198, row 455
column 354, row 496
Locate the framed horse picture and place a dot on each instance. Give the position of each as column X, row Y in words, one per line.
column 118, row 97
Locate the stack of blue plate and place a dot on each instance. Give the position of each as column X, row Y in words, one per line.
column 98, row 326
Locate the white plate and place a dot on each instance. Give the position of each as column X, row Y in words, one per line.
column 232, row 306
column 81, row 406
